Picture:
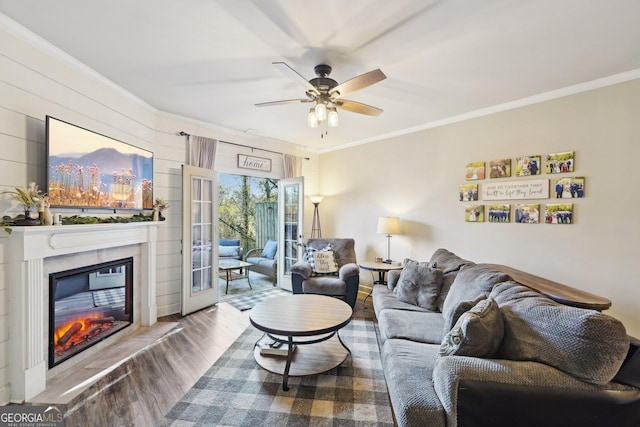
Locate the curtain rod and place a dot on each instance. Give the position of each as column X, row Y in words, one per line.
column 183, row 133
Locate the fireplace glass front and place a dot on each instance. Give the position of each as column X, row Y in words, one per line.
column 88, row 304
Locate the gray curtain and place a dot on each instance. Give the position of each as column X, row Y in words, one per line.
column 292, row 166
column 202, row 151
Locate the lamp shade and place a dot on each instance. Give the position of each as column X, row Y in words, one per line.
column 316, row 199
column 389, row 225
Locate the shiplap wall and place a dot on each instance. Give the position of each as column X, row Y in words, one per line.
column 37, row 80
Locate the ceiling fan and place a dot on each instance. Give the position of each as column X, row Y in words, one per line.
column 327, row 94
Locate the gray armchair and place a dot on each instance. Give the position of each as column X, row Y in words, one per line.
column 343, row 284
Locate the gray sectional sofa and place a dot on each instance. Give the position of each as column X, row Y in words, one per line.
column 463, row 344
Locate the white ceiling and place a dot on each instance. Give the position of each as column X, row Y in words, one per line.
column 212, row 60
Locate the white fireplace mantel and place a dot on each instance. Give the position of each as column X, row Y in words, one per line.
column 27, row 248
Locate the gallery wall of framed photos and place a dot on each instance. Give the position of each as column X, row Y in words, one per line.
column 503, row 191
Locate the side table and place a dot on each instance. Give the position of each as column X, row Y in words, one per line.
column 382, row 269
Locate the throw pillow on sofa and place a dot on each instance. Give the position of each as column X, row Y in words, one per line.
column 419, row 284
column 584, row 343
column 471, row 283
column 477, row 333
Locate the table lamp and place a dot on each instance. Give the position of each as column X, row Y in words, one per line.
column 388, row 225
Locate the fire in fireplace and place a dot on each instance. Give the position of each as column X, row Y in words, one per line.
column 88, row 304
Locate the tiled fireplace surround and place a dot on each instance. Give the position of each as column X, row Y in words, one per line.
column 35, row 252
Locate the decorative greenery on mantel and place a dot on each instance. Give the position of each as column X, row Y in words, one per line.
column 8, row 222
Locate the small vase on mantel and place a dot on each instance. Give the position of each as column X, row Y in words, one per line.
column 156, row 214
column 27, row 220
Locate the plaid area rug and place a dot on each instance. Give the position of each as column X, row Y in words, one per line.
column 236, row 391
column 246, row 301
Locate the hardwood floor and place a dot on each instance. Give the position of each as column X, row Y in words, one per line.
column 135, row 383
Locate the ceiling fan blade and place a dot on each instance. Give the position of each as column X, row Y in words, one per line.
column 358, row 107
column 293, row 74
column 357, row 83
column 283, row 102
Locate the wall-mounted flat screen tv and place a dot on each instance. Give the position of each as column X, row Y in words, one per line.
column 89, row 170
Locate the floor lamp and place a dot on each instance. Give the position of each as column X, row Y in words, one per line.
column 316, row 231
column 388, row 225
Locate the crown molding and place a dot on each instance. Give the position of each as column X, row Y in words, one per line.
column 522, row 102
column 49, row 49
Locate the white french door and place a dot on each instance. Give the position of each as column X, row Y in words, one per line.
column 290, row 218
column 199, row 237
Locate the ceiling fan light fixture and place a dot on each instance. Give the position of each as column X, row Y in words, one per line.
column 332, row 117
column 312, row 119
column 321, row 111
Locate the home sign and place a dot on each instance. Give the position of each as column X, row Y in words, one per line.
column 255, row 163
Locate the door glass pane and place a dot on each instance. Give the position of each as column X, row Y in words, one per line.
column 196, row 283
column 202, row 232
column 291, row 210
column 196, row 214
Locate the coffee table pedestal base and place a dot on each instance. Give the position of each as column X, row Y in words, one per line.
column 310, row 359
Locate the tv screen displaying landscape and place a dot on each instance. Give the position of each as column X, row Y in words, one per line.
column 89, row 170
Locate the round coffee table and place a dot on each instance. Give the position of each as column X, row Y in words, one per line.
column 317, row 317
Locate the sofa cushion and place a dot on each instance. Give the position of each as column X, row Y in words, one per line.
column 408, row 370
column 419, row 284
column 229, row 251
column 471, row 283
column 585, row 343
column 269, row 250
column 416, row 326
column 384, row 299
column 477, row 333
column 447, row 281
column 448, row 261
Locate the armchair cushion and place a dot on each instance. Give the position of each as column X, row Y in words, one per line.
column 270, row 249
column 419, row 284
column 325, row 285
column 477, row 333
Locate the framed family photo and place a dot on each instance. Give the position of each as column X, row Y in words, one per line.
column 527, row 213
column 499, row 213
column 569, row 188
column 528, row 165
column 560, row 162
column 559, row 213
column 469, row 192
column 474, row 213
column 474, row 170
column 500, row 168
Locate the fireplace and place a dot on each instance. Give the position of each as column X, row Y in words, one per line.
column 33, row 254
column 88, row 304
